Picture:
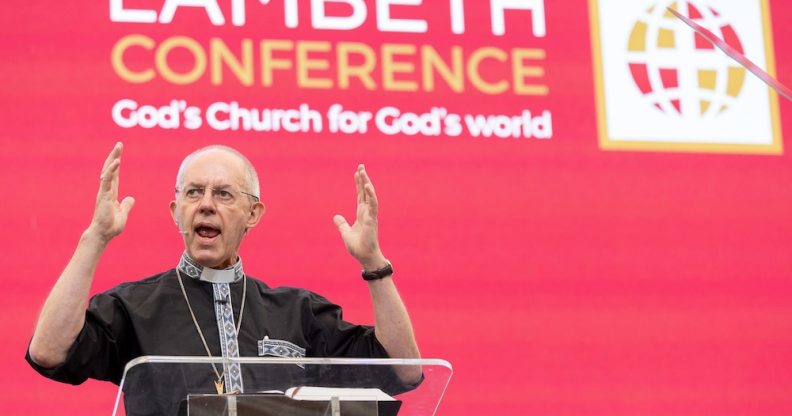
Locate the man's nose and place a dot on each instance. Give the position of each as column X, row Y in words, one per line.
column 207, row 203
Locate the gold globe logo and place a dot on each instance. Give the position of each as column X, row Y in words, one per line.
column 679, row 72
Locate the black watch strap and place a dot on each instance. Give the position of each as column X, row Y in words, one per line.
column 379, row 273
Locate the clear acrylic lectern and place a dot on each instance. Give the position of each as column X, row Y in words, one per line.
column 171, row 386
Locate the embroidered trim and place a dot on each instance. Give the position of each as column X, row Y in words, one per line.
column 229, row 344
column 279, row 348
column 190, row 268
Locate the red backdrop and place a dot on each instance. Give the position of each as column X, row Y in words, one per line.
column 557, row 278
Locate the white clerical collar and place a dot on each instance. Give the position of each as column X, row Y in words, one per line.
column 189, row 267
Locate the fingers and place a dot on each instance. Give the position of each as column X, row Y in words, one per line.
column 364, row 185
column 109, row 176
column 371, row 198
column 126, row 205
column 341, row 223
column 114, row 154
column 366, row 181
column 370, row 195
column 359, row 184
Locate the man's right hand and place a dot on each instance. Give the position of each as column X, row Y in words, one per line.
column 110, row 216
column 63, row 314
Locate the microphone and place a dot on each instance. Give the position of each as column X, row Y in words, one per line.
column 183, row 232
column 222, row 301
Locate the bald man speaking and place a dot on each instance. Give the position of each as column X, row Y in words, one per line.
column 207, row 305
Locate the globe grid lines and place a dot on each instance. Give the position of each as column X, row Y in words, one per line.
column 684, row 61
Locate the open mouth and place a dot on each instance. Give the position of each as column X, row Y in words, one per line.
column 207, row 231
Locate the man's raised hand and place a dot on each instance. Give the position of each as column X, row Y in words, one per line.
column 110, row 216
column 361, row 238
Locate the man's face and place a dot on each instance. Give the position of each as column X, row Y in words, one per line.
column 211, row 210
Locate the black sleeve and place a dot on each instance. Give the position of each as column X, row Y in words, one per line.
column 102, row 348
column 333, row 337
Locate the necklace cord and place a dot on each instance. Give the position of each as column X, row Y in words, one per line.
column 198, row 327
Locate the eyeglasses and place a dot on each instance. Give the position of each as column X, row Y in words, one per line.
column 222, row 194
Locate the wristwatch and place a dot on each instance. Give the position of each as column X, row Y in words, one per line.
column 379, row 273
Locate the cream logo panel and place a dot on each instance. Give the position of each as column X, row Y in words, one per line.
column 662, row 87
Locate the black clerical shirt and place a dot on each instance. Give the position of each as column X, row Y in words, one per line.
column 150, row 317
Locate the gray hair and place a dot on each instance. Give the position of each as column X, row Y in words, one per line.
column 251, row 178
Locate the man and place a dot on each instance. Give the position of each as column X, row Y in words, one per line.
column 207, row 306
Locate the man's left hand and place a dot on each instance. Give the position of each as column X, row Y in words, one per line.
column 361, row 238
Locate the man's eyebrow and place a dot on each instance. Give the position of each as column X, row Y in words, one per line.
column 200, row 185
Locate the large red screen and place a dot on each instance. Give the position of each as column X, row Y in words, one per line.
column 567, row 229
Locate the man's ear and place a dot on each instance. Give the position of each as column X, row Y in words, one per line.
column 257, row 210
column 172, row 206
